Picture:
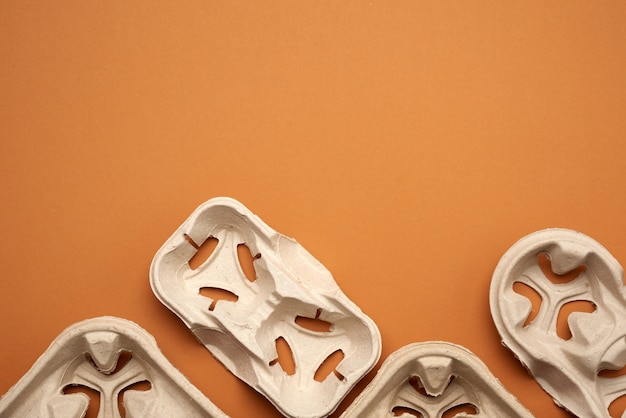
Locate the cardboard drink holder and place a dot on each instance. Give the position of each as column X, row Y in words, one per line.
column 289, row 301
column 575, row 368
column 428, row 380
column 119, row 362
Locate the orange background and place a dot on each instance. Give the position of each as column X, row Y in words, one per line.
column 406, row 145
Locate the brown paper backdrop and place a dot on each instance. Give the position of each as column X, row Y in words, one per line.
column 406, row 145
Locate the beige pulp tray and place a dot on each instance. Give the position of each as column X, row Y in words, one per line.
column 428, row 380
column 112, row 357
column 572, row 370
column 289, row 304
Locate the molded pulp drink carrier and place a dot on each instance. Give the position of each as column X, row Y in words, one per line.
column 287, row 310
column 114, row 358
column 431, row 379
column 565, row 269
